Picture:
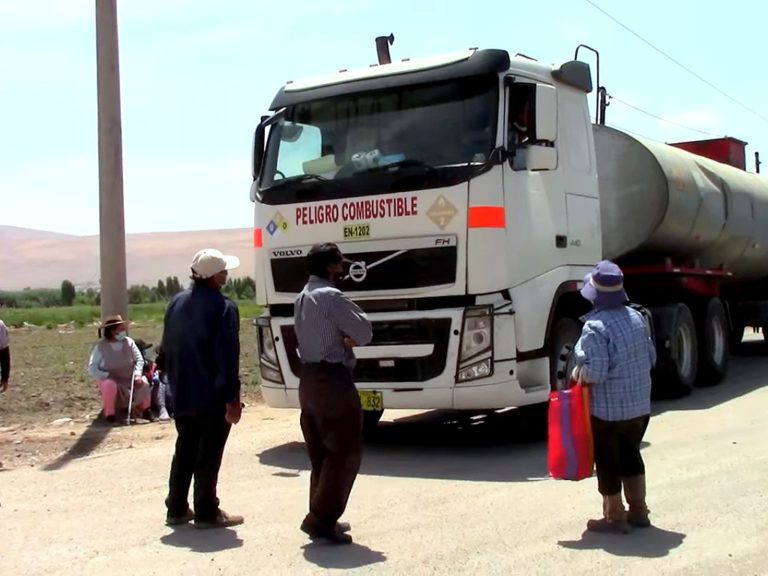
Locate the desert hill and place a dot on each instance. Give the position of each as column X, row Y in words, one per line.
column 40, row 259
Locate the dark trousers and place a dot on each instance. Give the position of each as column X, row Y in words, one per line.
column 617, row 451
column 199, row 449
column 332, row 424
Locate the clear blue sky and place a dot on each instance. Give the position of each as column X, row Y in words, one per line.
column 197, row 75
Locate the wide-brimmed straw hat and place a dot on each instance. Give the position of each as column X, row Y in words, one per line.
column 604, row 286
column 113, row 320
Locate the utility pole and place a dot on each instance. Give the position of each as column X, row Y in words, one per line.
column 114, row 291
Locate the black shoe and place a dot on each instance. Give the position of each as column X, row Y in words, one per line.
column 110, row 419
column 315, row 530
column 171, row 520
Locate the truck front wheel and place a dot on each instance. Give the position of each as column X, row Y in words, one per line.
column 565, row 334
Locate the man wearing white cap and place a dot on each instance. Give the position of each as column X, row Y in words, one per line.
column 201, row 355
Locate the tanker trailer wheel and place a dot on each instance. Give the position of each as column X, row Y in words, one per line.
column 676, row 344
column 737, row 328
column 564, row 336
column 714, row 340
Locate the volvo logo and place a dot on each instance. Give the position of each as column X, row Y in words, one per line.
column 292, row 252
column 358, row 271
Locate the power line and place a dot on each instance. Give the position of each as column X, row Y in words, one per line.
column 617, row 127
column 652, row 115
column 683, row 66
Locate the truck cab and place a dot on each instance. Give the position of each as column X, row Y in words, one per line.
column 464, row 190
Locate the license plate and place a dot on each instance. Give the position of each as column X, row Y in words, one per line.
column 371, row 401
column 357, row 232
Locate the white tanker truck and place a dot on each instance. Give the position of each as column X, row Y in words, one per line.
column 473, row 194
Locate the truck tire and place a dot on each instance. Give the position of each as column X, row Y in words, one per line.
column 736, row 333
column 564, row 336
column 714, row 341
column 370, row 422
column 677, row 350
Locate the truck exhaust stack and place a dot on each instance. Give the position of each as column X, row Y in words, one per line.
column 382, row 48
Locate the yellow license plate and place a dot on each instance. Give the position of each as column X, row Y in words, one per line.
column 371, row 401
column 357, row 231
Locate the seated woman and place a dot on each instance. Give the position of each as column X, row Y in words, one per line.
column 116, row 363
column 152, row 379
column 161, row 378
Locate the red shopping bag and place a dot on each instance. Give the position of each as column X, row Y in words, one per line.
column 570, row 454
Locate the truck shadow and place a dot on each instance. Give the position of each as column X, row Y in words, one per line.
column 489, row 447
column 748, row 372
column 501, row 446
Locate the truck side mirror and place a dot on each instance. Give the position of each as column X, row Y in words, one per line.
column 545, row 126
column 534, row 157
column 258, row 148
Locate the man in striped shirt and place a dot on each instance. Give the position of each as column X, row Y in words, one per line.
column 614, row 356
column 328, row 325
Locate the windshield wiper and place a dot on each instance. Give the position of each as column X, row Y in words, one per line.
column 299, row 178
column 401, row 164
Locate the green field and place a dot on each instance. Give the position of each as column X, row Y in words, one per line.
column 49, row 357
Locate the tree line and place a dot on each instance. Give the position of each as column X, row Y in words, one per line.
column 68, row 295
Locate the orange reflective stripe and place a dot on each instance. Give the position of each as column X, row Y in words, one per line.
column 258, row 238
column 487, row 217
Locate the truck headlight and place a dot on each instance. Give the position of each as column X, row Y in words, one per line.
column 476, row 349
column 476, row 332
column 267, row 351
column 269, row 363
column 475, row 371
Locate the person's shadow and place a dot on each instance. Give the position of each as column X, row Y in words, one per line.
column 650, row 542
column 203, row 541
column 346, row 557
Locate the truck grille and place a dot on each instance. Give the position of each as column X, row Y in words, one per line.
column 435, row 331
column 399, row 270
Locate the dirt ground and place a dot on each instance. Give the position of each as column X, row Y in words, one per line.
column 438, row 493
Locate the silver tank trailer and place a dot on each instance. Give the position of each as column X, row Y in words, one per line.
column 658, row 200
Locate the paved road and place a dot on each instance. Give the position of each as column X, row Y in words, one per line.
column 437, row 495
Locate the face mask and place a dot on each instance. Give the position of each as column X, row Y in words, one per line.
column 122, row 335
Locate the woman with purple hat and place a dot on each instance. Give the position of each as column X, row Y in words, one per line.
column 614, row 356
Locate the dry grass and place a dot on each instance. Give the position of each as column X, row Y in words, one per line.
column 49, row 380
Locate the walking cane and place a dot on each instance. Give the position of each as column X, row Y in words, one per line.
column 130, row 403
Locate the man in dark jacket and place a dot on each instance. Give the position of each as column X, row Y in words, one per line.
column 5, row 357
column 201, row 354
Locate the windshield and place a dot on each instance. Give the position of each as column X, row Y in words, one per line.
column 405, row 138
